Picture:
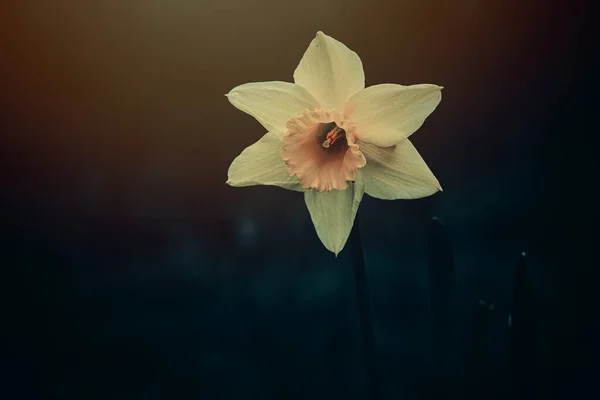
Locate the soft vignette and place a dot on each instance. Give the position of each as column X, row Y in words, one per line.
column 394, row 168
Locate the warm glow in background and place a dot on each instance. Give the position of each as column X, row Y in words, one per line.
column 117, row 107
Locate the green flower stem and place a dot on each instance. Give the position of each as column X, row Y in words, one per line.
column 363, row 299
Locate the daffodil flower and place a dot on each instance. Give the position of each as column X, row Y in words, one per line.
column 333, row 139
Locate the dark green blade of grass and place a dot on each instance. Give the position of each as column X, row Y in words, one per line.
column 522, row 332
column 363, row 298
column 441, row 283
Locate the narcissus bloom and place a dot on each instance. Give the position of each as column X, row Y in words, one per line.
column 333, row 139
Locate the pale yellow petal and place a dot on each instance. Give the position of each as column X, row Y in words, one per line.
column 330, row 71
column 386, row 114
column 261, row 164
column 397, row 172
column 333, row 213
column 272, row 103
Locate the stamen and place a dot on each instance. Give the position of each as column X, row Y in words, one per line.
column 332, row 136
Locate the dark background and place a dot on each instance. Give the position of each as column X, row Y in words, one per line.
column 131, row 271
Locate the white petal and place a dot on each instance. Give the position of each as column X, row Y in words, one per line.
column 397, row 172
column 333, row 213
column 386, row 114
column 261, row 164
column 272, row 103
column 330, row 71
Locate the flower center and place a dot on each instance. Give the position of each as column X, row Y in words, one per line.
column 319, row 149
